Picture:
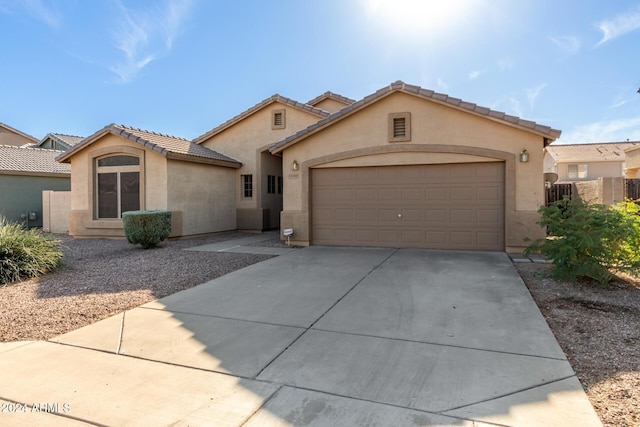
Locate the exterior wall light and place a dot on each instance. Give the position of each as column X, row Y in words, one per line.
column 294, row 165
column 524, row 156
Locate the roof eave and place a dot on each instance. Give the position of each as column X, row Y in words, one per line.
column 547, row 133
column 256, row 108
column 204, row 160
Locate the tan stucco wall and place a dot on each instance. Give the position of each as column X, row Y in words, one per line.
column 11, row 138
column 439, row 134
column 632, row 163
column 604, row 191
column 245, row 141
column 153, row 182
column 595, row 170
column 204, row 196
column 55, row 211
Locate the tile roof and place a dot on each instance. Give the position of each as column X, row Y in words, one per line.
column 169, row 146
column 9, row 128
column 274, row 98
column 27, row 161
column 602, row 152
column 66, row 140
column 331, row 95
column 440, row 98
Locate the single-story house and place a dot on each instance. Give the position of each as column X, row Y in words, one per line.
column 586, row 162
column 58, row 141
column 24, row 174
column 14, row 137
column 409, row 167
column 403, row 167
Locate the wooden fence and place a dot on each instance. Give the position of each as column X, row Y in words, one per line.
column 557, row 192
column 632, row 189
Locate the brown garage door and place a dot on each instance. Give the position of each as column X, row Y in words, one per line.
column 452, row 206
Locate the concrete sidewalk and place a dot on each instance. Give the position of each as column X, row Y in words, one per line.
column 316, row 337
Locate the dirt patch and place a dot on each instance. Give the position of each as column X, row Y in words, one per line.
column 599, row 330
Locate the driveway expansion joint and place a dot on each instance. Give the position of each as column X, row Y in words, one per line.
column 533, row 387
column 374, row 268
column 440, row 344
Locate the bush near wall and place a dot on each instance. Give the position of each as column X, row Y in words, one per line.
column 147, row 228
column 590, row 240
column 26, row 253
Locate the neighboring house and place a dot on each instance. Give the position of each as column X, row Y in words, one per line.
column 632, row 164
column 403, row 167
column 58, row 141
column 408, row 167
column 586, row 162
column 24, row 174
column 13, row 137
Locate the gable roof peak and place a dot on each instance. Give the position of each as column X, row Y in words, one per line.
column 331, row 95
column 169, row 146
column 547, row 132
column 259, row 106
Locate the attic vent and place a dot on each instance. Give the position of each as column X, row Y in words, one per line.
column 278, row 119
column 399, row 127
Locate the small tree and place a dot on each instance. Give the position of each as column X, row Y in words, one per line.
column 147, row 227
column 591, row 240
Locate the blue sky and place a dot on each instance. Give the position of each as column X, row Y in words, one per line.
column 182, row 67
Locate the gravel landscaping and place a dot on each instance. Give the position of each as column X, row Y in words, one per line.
column 103, row 277
column 598, row 328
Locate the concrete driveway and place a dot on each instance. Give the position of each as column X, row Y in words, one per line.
column 316, row 337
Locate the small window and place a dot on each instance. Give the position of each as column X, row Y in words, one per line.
column 247, row 186
column 278, row 119
column 279, row 185
column 578, row 171
column 399, row 127
column 271, row 184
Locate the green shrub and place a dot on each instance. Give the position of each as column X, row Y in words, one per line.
column 25, row 254
column 590, row 240
column 146, row 227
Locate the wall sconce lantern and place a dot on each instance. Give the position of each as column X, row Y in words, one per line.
column 294, row 165
column 524, row 156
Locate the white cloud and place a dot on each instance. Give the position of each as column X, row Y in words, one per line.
column 37, row 9
column 533, row 93
column 476, row 73
column 509, row 104
column 604, row 131
column 620, row 25
column 505, row 64
column 569, row 44
column 442, row 84
column 145, row 35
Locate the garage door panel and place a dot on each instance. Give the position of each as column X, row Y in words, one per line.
column 437, row 217
column 436, row 194
column 453, row 206
column 462, row 217
column 489, row 217
column 463, row 193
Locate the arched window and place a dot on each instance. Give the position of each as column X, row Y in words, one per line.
column 117, row 185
